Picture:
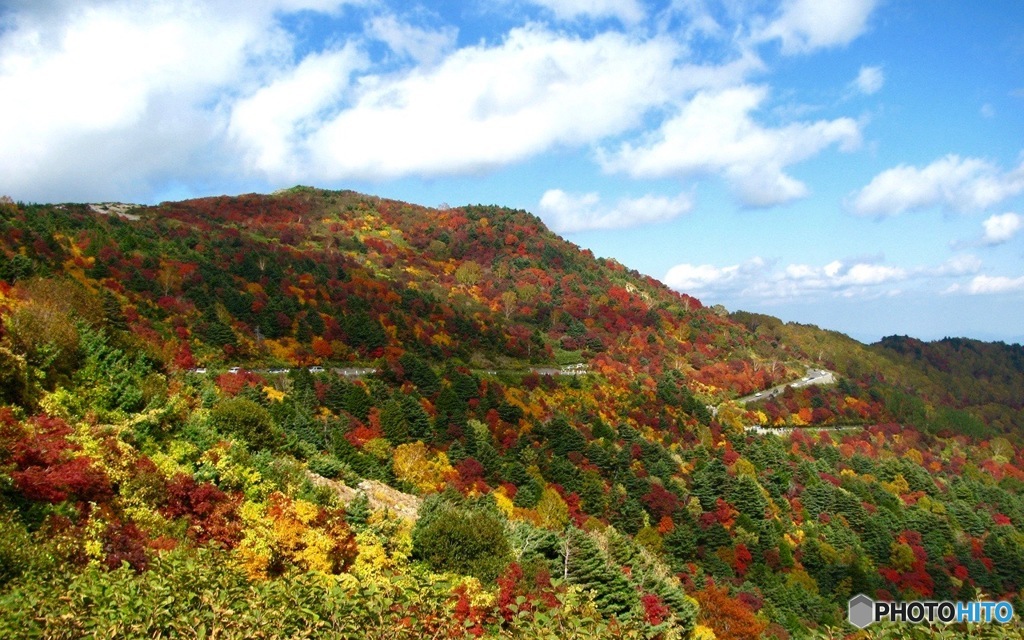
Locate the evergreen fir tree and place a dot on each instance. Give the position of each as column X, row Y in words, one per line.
column 630, row 517
column 357, row 401
column 710, row 483
column 584, row 564
column 357, row 513
column 112, row 314
column 417, row 419
column 680, row 546
column 393, row 422
column 420, row 374
column 746, row 496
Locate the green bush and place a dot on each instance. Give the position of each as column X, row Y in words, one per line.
column 329, row 467
column 461, row 540
column 16, row 548
column 251, row 422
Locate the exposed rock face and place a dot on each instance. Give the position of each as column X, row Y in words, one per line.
column 115, row 208
column 380, row 495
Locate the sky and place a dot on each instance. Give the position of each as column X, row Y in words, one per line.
column 855, row 164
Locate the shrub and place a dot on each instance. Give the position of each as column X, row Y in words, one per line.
column 244, row 418
column 16, row 548
column 461, row 540
column 329, row 467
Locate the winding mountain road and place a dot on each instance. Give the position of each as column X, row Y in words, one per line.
column 814, row 376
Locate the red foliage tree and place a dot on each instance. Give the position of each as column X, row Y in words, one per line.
column 48, row 468
column 742, row 559
column 662, row 502
column 231, row 384
column 210, row 512
column 124, row 543
column 655, row 611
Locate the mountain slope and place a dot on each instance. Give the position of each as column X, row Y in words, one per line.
column 440, row 334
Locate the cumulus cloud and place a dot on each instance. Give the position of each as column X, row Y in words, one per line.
column 486, row 106
column 715, row 133
column 805, row 25
column 958, row 265
column 265, row 124
column 118, row 99
column 869, row 80
column 566, row 213
column 1002, row 228
column 988, row 285
column 110, row 95
column 960, row 184
column 766, row 279
column 628, row 11
column 698, row 278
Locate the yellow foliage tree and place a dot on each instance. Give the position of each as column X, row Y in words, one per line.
column 731, row 414
column 384, row 547
column 468, row 273
column 898, row 486
column 287, row 532
column 901, row 556
column 414, row 464
column 744, row 467
column 704, row 633
column 503, row 502
column 552, row 510
column 1002, row 450
column 914, row 456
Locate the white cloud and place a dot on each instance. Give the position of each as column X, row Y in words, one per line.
column 111, row 95
column 421, row 45
column 117, row 97
column 958, row 265
column 486, row 106
column 265, row 123
column 628, row 11
column 870, row 80
column 765, row 280
column 692, row 278
column 114, row 96
column 961, row 184
column 566, row 213
column 715, row 134
column 983, row 285
column 699, row 18
column 869, row 274
column 1002, row 228
column 805, row 25
column 987, row 111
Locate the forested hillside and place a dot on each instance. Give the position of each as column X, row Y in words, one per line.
column 326, row 414
column 954, row 385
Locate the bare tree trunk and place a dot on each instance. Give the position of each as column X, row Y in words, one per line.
column 565, row 561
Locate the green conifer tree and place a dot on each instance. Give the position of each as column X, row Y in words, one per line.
column 584, row 563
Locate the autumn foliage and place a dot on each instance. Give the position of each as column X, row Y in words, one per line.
column 453, row 423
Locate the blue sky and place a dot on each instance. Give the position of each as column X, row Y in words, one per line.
column 857, row 164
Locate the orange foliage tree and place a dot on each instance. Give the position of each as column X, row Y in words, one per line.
column 729, row 618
